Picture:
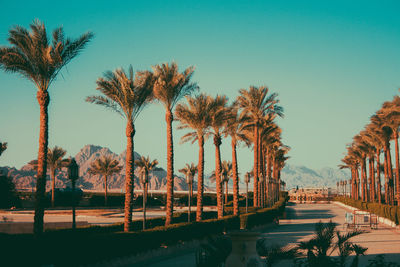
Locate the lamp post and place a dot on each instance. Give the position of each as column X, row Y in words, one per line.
column 247, row 180
column 189, row 181
column 145, row 180
column 73, row 175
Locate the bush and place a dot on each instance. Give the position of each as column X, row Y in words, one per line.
column 387, row 211
column 8, row 195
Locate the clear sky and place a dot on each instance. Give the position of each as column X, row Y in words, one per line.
column 332, row 63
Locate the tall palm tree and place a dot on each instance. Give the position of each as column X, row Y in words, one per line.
column 55, row 162
column 38, row 59
column 105, row 166
column 380, row 124
column 145, row 166
column 256, row 103
column 126, row 94
column 170, row 86
column 226, row 173
column 196, row 115
column 189, row 171
column 220, row 114
column 234, row 129
column 3, row 147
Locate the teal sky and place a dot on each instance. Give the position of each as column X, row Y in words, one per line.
column 333, row 63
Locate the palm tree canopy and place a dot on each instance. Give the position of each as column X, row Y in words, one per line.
column 235, row 125
column 55, row 159
column 189, row 170
column 170, row 85
column 125, row 93
column 36, row 57
column 145, row 164
column 220, row 113
column 3, row 147
column 226, row 170
column 195, row 115
column 105, row 165
column 256, row 103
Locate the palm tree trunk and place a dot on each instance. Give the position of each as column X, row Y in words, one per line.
column 217, row 143
column 200, row 179
column 226, row 192
column 385, row 167
column 170, row 169
column 235, row 179
column 144, row 204
column 390, row 174
column 105, row 190
column 129, row 176
column 43, row 99
column 372, row 189
column 53, row 185
column 357, row 189
column 364, row 180
column 396, row 144
column 260, row 185
column 269, row 171
column 255, row 171
column 275, row 175
column 378, row 175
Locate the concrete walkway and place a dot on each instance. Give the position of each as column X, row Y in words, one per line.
column 299, row 226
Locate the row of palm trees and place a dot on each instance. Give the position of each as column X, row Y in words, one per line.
column 251, row 118
column 365, row 153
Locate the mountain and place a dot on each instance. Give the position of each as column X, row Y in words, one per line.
column 25, row 177
column 302, row 176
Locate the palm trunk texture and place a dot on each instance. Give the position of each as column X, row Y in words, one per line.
column 200, row 179
column 129, row 176
column 255, row 171
column 217, row 143
column 43, row 99
column 170, row 169
column 235, row 180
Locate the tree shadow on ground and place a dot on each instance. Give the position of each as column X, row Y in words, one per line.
column 313, row 214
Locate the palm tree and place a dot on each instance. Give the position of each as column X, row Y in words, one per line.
column 55, row 162
column 170, row 86
column 247, row 177
column 256, row 104
column 196, row 115
column 234, row 128
column 105, row 166
column 226, row 173
column 220, row 114
column 126, row 94
column 39, row 60
column 189, row 171
column 145, row 166
column 3, row 147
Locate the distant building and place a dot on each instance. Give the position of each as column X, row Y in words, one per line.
column 310, row 194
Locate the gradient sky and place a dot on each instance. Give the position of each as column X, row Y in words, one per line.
column 333, row 63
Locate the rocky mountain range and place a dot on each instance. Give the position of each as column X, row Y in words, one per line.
column 300, row 176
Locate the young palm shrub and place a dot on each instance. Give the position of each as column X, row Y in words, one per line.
column 220, row 114
column 38, row 59
column 145, row 166
column 195, row 115
column 55, row 162
column 3, row 147
column 256, row 104
column 170, row 86
column 189, row 171
column 105, row 166
column 126, row 94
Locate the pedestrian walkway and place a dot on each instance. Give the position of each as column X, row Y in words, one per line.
column 299, row 225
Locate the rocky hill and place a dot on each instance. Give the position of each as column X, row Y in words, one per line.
column 25, row 177
column 293, row 175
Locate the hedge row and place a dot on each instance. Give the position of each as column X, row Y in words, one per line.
column 387, row 211
column 94, row 244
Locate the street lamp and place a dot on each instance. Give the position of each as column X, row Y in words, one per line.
column 73, row 175
column 145, row 180
column 247, row 181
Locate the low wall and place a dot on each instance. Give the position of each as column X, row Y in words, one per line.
column 27, row 227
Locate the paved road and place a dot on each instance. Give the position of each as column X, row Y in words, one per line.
column 299, row 226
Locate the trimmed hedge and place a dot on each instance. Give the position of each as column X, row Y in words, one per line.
column 93, row 244
column 387, row 211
